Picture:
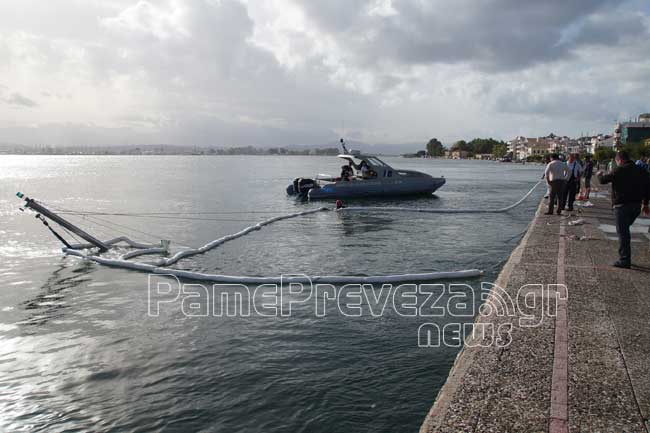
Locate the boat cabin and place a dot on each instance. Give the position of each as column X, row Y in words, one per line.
column 376, row 167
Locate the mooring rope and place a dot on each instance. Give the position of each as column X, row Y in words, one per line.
column 434, row 210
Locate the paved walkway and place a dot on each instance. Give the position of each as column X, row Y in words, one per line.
column 586, row 366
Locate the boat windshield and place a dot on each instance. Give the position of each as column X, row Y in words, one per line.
column 376, row 162
column 373, row 161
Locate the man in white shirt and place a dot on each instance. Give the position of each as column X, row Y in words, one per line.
column 556, row 174
column 573, row 181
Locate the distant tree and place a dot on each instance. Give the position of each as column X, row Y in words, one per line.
column 327, row 151
column 636, row 150
column 418, row 154
column 434, row 147
column 604, row 154
column 484, row 145
column 500, row 150
column 461, row 145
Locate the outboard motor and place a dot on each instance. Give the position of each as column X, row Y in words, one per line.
column 301, row 187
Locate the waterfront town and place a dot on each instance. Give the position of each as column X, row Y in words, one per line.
column 638, row 131
column 519, row 149
column 534, row 149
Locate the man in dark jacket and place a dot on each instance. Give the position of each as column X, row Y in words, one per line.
column 630, row 195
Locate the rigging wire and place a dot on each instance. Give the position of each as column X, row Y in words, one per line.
column 120, row 227
column 151, row 236
column 71, row 234
column 162, row 217
column 106, row 226
column 70, row 211
column 102, row 230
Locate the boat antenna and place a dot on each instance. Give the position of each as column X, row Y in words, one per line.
column 345, row 149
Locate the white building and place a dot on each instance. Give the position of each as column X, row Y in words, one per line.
column 523, row 147
column 606, row 141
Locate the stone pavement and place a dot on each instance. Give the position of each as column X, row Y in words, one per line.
column 583, row 363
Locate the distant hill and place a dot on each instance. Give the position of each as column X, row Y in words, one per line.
column 168, row 149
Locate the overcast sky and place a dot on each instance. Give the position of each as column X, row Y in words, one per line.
column 282, row 72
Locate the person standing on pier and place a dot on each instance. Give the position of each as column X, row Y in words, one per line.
column 573, row 181
column 630, row 196
column 547, row 159
column 556, row 174
column 589, row 171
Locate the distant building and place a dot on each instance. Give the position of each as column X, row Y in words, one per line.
column 601, row 141
column 574, row 146
column 524, row 147
column 459, row 154
column 484, row 156
column 633, row 132
column 537, row 149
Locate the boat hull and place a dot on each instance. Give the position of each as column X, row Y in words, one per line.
column 376, row 188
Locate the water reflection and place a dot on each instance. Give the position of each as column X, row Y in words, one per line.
column 358, row 224
column 50, row 303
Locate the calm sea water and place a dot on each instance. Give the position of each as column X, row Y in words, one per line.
column 78, row 351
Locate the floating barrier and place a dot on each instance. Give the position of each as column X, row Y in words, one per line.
column 161, row 266
column 237, row 279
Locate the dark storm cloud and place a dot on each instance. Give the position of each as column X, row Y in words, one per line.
column 491, row 35
column 610, row 29
column 576, row 105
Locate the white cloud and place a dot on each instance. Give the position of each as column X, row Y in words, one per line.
column 151, row 20
column 291, row 71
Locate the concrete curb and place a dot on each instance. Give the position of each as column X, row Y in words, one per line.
column 466, row 357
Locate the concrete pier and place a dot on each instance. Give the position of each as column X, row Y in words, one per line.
column 586, row 366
